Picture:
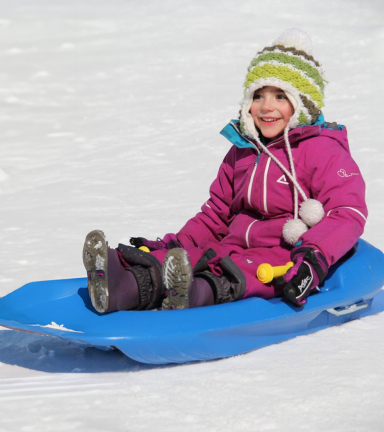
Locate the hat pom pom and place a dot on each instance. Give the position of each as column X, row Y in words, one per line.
column 311, row 212
column 293, row 229
column 295, row 38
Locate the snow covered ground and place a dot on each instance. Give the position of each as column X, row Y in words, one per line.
column 109, row 118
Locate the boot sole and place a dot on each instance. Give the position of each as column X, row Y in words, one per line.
column 177, row 277
column 95, row 258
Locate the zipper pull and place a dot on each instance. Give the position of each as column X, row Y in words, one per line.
column 257, row 159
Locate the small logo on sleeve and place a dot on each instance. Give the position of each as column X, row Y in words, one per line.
column 343, row 173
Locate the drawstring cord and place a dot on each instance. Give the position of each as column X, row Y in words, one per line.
column 291, row 175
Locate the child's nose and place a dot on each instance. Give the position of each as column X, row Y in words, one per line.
column 267, row 104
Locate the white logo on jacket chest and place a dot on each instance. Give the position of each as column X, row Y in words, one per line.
column 282, row 180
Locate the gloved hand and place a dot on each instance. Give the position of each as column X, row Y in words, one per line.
column 309, row 270
column 169, row 241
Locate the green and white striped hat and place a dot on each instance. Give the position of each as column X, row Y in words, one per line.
column 287, row 64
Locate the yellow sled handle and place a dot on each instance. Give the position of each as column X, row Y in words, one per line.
column 144, row 248
column 266, row 273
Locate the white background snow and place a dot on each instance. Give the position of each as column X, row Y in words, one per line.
column 110, row 113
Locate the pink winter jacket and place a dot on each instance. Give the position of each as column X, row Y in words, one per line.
column 251, row 198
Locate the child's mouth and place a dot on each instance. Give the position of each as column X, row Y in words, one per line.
column 269, row 120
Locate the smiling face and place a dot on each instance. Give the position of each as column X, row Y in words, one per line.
column 271, row 111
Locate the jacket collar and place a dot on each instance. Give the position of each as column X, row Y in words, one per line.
column 232, row 132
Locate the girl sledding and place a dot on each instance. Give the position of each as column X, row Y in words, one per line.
column 287, row 190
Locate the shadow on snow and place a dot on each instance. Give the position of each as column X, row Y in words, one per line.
column 53, row 354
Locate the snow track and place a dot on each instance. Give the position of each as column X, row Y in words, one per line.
column 14, row 389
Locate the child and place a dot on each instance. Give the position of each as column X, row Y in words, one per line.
column 288, row 189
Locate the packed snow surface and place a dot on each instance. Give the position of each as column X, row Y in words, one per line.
column 110, row 118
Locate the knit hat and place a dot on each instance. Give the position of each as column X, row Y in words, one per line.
column 288, row 64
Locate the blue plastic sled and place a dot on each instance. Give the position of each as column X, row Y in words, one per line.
column 62, row 308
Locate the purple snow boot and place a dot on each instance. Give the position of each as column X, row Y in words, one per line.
column 183, row 290
column 110, row 286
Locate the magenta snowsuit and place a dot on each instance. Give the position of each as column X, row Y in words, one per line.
column 251, row 199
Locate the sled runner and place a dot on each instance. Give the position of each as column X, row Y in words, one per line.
column 62, row 308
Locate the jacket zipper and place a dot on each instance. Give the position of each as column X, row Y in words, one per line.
column 265, row 185
column 251, row 180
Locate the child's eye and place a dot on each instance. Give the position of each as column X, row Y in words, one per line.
column 256, row 96
column 281, row 96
